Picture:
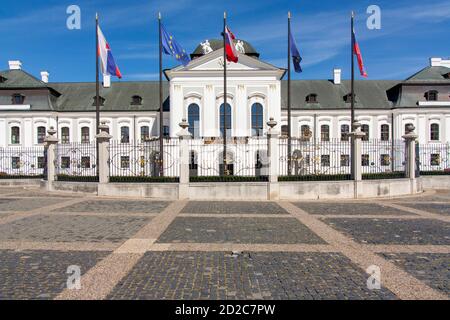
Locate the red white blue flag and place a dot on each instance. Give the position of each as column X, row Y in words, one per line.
column 232, row 53
column 109, row 66
column 357, row 52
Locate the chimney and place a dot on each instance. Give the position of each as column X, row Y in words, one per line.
column 44, row 76
column 439, row 62
column 337, row 75
column 15, row 65
column 106, row 81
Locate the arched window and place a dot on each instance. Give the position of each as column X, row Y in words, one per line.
column 434, row 132
column 431, row 95
column 40, row 135
column 284, row 131
column 305, row 131
column 125, row 134
column 227, row 113
column 345, row 131
column 65, row 135
column 17, row 98
column 136, row 100
column 15, row 135
column 325, row 132
column 257, row 119
column 311, row 98
column 145, row 133
column 194, row 120
column 366, row 129
column 384, row 134
column 85, row 136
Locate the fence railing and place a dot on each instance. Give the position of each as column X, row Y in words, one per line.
column 383, row 158
column 76, row 161
column 141, row 161
column 313, row 159
column 22, row 162
column 245, row 158
column 434, row 158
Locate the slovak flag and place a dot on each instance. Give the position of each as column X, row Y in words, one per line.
column 357, row 52
column 232, row 53
column 109, row 66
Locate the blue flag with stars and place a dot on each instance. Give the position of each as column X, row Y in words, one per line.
column 172, row 47
column 296, row 58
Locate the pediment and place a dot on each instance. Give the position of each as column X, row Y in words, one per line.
column 213, row 63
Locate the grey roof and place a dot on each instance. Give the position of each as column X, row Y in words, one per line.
column 80, row 96
column 217, row 44
column 20, row 79
column 430, row 74
column 370, row 94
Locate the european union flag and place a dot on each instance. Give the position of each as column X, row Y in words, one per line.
column 173, row 48
column 296, row 58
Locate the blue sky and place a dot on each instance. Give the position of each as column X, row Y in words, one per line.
column 36, row 33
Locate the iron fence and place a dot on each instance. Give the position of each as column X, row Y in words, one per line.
column 22, row 162
column 383, row 159
column 313, row 159
column 76, row 161
column 141, row 161
column 246, row 159
column 434, row 158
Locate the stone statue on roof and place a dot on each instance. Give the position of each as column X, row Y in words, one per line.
column 206, row 46
column 240, row 46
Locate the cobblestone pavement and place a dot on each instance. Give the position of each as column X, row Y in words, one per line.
column 145, row 249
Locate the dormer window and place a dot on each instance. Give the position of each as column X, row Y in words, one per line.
column 101, row 101
column 348, row 98
column 2, row 79
column 311, row 98
column 446, row 76
column 136, row 100
column 431, row 95
column 17, row 98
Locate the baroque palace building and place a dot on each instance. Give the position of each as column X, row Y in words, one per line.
column 256, row 93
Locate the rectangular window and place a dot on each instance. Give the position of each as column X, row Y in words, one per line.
column 435, row 159
column 124, row 162
column 40, row 135
column 86, row 162
column 65, row 162
column 15, row 162
column 345, row 160
column 325, row 160
column 41, row 162
column 65, row 135
column 365, row 162
column 15, row 135
column 85, row 137
column 385, row 160
column 166, row 131
column 124, row 135
column 145, row 133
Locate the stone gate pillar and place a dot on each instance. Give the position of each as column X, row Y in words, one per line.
column 103, row 139
column 50, row 149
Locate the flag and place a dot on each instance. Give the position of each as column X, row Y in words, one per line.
column 296, row 58
column 172, row 47
column 232, row 53
column 357, row 52
column 109, row 66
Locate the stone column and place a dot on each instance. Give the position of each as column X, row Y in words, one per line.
column 103, row 153
column 356, row 140
column 273, row 158
column 50, row 149
column 184, row 135
column 410, row 157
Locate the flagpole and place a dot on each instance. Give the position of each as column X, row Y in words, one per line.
column 161, row 110
column 97, row 90
column 225, row 164
column 352, row 102
column 289, row 95
column 353, row 74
